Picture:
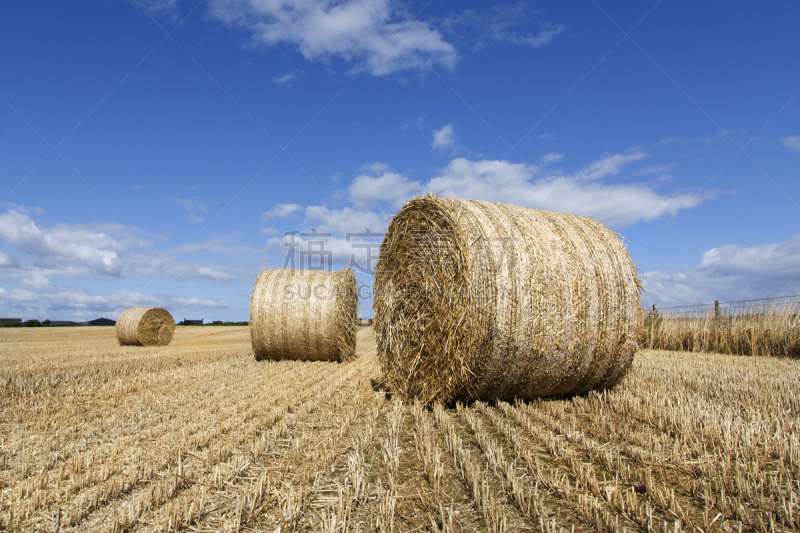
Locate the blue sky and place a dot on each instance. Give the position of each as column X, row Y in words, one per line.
column 154, row 152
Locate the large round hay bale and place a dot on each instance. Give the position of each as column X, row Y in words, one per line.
column 145, row 326
column 481, row 300
column 308, row 315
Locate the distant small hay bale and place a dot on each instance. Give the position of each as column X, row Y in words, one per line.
column 145, row 326
column 482, row 301
column 308, row 315
column 364, row 321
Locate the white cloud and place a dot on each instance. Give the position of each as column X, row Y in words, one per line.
column 346, row 220
column 6, row 260
column 284, row 79
column 192, row 207
column 216, row 275
column 583, row 193
column 370, row 32
column 158, row 7
column 609, row 165
column 515, row 24
column 729, row 273
column 792, row 143
column 655, row 169
column 77, row 245
column 281, row 211
column 443, row 138
column 45, row 253
column 200, row 302
column 71, row 303
column 552, row 157
column 24, row 209
column 388, row 187
column 539, row 39
column 375, row 168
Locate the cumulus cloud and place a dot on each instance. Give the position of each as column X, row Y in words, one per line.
column 6, row 260
column 345, row 220
column 728, row 273
column 388, row 187
column 443, row 138
column 374, row 33
column 52, row 269
column 281, row 211
column 24, row 209
column 583, row 192
column 43, row 253
column 552, row 157
column 792, row 143
column 283, row 79
column 76, row 245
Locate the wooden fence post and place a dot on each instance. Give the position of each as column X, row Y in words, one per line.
column 716, row 308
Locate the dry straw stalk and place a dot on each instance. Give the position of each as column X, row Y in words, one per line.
column 145, row 326
column 481, row 300
column 304, row 315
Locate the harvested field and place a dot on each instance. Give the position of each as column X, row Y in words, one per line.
column 198, row 436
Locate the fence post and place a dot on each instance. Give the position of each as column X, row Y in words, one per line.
column 655, row 311
column 716, row 308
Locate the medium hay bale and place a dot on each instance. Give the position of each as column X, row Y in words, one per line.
column 145, row 326
column 308, row 315
column 482, row 301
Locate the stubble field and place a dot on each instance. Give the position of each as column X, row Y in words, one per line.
column 198, row 436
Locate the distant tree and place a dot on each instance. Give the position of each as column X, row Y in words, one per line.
column 32, row 323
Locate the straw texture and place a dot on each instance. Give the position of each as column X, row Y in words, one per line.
column 481, row 300
column 145, row 326
column 306, row 315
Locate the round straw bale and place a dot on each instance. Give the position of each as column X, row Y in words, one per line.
column 306, row 315
column 482, row 300
column 145, row 326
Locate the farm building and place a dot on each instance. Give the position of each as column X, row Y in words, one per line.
column 189, row 322
column 10, row 321
column 102, row 322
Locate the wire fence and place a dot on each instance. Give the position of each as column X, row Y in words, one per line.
column 760, row 306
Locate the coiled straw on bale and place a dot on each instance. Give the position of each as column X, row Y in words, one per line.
column 481, row 300
column 145, row 326
column 305, row 315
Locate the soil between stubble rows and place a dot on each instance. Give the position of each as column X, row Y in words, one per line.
column 198, row 436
